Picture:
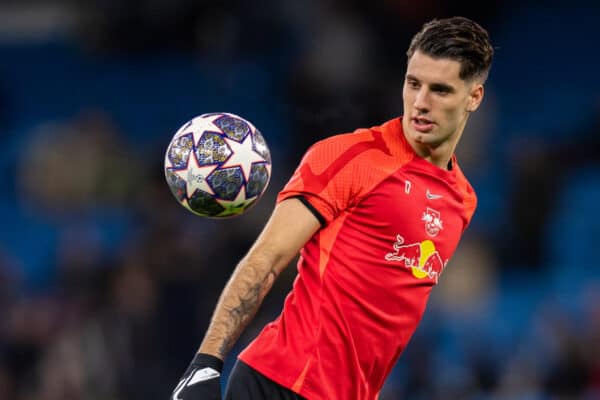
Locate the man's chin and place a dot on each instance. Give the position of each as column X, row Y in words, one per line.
column 423, row 137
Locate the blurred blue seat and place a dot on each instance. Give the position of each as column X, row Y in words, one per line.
column 574, row 231
column 573, row 235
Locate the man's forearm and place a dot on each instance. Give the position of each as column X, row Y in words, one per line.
column 237, row 305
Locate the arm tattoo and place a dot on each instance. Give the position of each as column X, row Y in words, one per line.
column 239, row 303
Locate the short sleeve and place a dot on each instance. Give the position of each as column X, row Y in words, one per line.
column 328, row 177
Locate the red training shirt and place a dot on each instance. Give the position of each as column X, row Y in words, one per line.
column 392, row 220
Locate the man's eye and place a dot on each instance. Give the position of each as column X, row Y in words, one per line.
column 413, row 84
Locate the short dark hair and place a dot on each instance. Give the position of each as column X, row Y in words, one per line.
column 459, row 39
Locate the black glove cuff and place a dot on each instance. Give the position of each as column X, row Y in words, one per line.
column 207, row 360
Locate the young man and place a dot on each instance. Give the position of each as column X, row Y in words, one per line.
column 377, row 215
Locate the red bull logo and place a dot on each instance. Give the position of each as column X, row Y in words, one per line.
column 421, row 258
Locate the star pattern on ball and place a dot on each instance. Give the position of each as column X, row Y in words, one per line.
column 243, row 155
column 235, row 206
column 210, row 127
column 195, row 175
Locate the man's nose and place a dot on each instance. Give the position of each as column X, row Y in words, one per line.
column 421, row 102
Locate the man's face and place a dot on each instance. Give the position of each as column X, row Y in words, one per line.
column 436, row 100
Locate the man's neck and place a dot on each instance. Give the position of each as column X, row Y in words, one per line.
column 439, row 155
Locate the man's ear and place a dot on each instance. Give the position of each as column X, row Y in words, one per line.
column 475, row 97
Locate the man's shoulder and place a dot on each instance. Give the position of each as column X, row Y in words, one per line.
column 374, row 137
column 347, row 138
column 466, row 189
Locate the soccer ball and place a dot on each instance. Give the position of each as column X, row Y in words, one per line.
column 218, row 165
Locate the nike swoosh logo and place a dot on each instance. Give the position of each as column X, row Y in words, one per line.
column 432, row 196
column 200, row 375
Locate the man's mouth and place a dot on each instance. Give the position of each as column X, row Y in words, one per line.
column 422, row 124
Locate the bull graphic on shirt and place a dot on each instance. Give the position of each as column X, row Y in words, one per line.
column 421, row 258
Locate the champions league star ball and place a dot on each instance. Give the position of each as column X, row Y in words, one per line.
column 218, row 165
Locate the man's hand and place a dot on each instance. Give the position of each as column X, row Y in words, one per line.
column 201, row 381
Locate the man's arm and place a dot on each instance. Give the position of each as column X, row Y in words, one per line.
column 288, row 229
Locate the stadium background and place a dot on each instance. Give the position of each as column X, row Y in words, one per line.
column 106, row 284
